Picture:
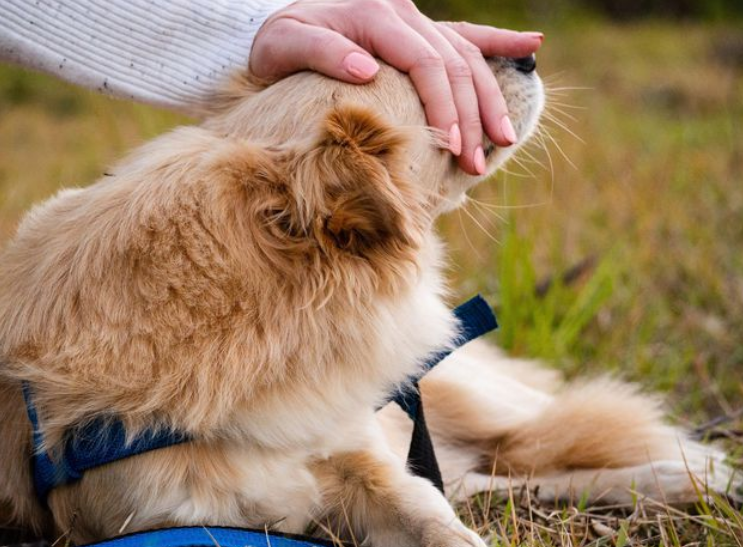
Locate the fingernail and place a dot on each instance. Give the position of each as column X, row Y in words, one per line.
column 508, row 131
column 455, row 140
column 535, row 35
column 479, row 161
column 360, row 65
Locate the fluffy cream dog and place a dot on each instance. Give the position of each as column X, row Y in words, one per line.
column 261, row 283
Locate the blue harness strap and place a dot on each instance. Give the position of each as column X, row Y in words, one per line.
column 97, row 443
column 103, row 440
column 211, row 536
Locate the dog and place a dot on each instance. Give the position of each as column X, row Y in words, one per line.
column 262, row 283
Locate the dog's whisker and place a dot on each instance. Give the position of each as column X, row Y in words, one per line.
column 558, row 95
column 551, row 102
column 531, row 158
column 523, row 206
column 522, row 174
column 522, row 163
column 515, row 174
column 554, row 76
column 488, row 210
column 556, row 110
column 563, row 126
column 479, row 225
column 465, row 232
column 545, row 133
column 550, row 89
column 540, row 137
column 526, row 156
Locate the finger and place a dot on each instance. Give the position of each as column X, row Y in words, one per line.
column 501, row 42
column 463, row 91
column 395, row 42
column 288, row 46
column 493, row 108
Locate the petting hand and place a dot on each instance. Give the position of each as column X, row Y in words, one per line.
column 445, row 61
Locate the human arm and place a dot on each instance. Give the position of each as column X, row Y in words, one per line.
column 169, row 53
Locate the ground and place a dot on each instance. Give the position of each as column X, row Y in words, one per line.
column 617, row 248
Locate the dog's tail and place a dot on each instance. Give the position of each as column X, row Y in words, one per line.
column 493, row 415
column 594, row 425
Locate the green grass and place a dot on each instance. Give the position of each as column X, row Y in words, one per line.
column 654, row 196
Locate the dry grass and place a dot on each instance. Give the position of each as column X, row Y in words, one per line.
column 654, row 194
column 519, row 520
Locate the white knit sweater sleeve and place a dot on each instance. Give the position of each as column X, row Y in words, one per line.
column 169, row 53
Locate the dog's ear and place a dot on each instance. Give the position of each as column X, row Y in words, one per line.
column 357, row 128
column 366, row 201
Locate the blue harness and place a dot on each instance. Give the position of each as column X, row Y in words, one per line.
column 103, row 441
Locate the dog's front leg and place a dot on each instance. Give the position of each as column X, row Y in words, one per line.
column 371, row 499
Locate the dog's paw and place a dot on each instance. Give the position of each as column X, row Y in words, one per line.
column 450, row 534
column 669, row 481
column 680, row 482
column 430, row 532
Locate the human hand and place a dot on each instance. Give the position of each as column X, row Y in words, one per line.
column 445, row 61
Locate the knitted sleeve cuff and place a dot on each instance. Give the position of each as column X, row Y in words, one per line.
column 170, row 53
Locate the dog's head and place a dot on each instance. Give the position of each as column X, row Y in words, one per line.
column 361, row 170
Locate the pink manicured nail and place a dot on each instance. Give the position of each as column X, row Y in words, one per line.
column 455, row 140
column 480, row 161
column 508, row 131
column 535, row 35
column 360, row 65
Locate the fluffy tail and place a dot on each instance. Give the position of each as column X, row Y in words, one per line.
column 493, row 416
column 601, row 424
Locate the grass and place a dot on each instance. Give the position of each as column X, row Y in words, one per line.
column 521, row 521
column 648, row 204
column 653, row 193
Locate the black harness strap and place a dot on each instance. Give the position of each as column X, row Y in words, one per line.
column 421, row 456
column 475, row 319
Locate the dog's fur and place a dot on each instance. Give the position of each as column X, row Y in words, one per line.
column 261, row 283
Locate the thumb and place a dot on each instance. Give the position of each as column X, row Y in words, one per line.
column 287, row 46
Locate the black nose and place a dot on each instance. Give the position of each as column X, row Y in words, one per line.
column 526, row 64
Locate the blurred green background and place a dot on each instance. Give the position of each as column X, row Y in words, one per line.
column 554, row 12
column 636, row 186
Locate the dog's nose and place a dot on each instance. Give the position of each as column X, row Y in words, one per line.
column 526, row 64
